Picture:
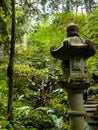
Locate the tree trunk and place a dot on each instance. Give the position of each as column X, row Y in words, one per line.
column 68, row 5
column 11, row 65
column 88, row 6
column 77, row 5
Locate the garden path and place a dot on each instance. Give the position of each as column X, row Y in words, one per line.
column 91, row 108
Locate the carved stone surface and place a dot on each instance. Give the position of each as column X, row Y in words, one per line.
column 73, row 47
column 76, row 64
column 76, row 67
column 73, row 52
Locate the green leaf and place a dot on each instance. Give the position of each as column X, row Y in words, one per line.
column 86, row 126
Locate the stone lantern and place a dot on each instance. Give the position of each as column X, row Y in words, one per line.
column 73, row 53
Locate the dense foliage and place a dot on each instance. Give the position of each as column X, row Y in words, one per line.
column 39, row 103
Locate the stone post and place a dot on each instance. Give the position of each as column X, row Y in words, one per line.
column 73, row 53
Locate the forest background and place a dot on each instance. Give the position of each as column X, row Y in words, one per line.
column 31, row 97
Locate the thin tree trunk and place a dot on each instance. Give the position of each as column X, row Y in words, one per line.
column 11, row 65
column 68, row 5
column 77, row 5
column 88, row 6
